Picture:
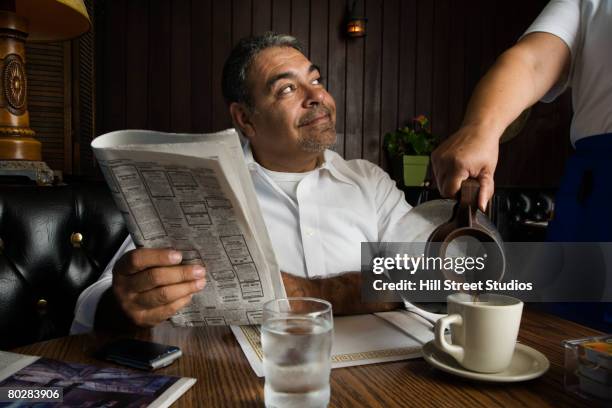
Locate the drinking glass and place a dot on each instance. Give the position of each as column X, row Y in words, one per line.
column 296, row 337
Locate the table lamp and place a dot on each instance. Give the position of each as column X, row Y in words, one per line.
column 36, row 20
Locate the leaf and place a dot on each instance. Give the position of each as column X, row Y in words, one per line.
column 413, row 139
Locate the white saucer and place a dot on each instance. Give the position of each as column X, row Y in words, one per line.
column 527, row 364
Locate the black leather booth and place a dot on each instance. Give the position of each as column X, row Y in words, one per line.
column 54, row 242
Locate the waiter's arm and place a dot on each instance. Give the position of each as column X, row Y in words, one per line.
column 519, row 78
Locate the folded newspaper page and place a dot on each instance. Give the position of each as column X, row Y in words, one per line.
column 194, row 193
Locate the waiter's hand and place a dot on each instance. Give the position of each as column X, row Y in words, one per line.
column 471, row 152
column 150, row 285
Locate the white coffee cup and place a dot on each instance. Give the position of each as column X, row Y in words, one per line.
column 483, row 333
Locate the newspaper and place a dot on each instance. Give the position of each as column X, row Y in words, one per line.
column 194, row 193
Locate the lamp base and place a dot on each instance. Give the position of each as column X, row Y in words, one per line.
column 32, row 169
column 19, row 148
column 16, row 137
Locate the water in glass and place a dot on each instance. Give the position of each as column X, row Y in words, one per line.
column 297, row 361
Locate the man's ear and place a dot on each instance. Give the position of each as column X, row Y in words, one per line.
column 241, row 116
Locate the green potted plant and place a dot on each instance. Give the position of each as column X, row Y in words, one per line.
column 409, row 148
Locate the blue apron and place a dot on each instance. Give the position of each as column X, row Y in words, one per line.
column 583, row 213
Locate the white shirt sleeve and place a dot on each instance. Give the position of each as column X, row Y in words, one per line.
column 562, row 19
column 390, row 202
column 87, row 303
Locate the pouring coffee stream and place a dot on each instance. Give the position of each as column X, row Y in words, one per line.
column 470, row 227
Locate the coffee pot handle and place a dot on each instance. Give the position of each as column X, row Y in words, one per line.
column 467, row 202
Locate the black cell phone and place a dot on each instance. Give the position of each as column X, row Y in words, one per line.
column 140, row 354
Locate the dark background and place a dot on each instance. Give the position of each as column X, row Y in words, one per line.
column 157, row 65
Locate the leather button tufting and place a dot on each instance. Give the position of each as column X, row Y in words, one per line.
column 42, row 268
column 76, row 239
column 41, row 305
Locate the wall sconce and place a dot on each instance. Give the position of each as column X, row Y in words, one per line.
column 355, row 25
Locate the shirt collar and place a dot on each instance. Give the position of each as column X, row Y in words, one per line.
column 331, row 162
column 248, row 156
column 334, row 163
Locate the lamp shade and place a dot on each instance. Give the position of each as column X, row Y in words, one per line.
column 54, row 20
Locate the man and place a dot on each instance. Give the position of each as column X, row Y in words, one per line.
column 318, row 208
column 567, row 45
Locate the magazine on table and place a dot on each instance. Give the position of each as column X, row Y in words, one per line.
column 71, row 384
column 194, row 193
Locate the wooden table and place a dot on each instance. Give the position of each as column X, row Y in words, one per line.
column 225, row 378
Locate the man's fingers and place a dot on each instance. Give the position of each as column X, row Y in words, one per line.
column 451, row 184
column 450, row 187
column 152, row 317
column 142, row 258
column 168, row 294
column 166, row 311
column 154, row 277
column 487, row 187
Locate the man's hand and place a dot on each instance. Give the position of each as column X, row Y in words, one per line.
column 150, row 285
column 472, row 152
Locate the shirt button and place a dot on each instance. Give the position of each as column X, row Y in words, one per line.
column 309, row 232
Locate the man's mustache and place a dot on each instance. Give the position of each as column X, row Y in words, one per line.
column 313, row 114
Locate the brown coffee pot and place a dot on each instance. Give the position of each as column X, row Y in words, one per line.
column 467, row 221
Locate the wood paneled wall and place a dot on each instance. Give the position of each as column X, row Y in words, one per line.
column 159, row 64
column 49, row 101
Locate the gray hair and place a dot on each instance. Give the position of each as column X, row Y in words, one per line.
column 236, row 68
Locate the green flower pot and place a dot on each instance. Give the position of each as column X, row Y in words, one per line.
column 415, row 170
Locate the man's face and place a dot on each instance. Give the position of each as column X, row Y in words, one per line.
column 292, row 115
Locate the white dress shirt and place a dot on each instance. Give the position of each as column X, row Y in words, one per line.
column 316, row 234
column 338, row 206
